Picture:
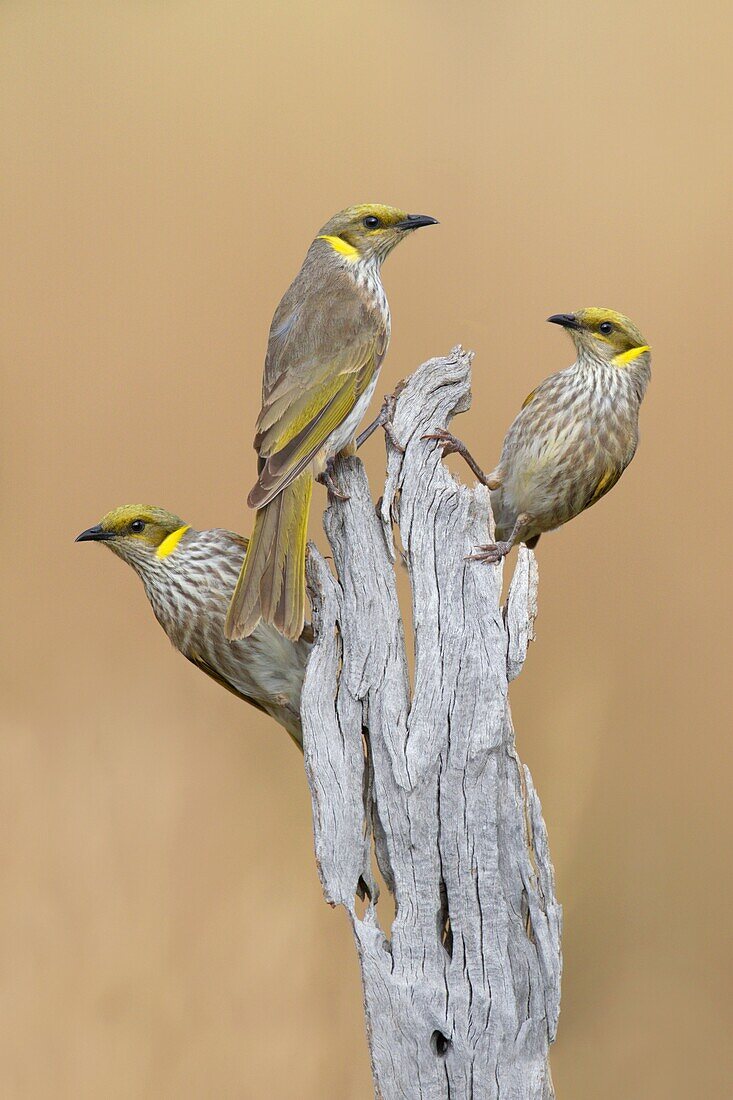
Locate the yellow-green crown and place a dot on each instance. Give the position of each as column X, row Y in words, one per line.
column 157, row 522
column 141, row 526
column 605, row 333
column 623, row 330
column 353, row 217
column 369, row 229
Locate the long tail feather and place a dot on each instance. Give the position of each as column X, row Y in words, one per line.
column 271, row 585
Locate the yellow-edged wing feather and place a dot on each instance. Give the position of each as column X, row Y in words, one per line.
column 289, row 441
column 327, row 340
column 529, row 397
column 605, row 483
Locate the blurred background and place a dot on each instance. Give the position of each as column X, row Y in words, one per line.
column 166, row 165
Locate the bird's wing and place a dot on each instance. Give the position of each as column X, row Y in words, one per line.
column 606, row 482
column 297, row 436
column 204, row 665
column 321, row 311
column 323, row 353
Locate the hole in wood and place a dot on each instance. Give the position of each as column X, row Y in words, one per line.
column 440, row 1044
column 362, row 898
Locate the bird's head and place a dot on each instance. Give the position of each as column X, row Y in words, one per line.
column 138, row 533
column 370, row 231
column 603, row 334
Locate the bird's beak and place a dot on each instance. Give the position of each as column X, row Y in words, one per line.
column 415, row 221
column 567, row 320
column 95, row 534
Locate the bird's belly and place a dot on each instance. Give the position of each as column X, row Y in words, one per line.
column 346, row 430
column 269, row 668
column 532, row 490
column 556, row 483
column 265, row 668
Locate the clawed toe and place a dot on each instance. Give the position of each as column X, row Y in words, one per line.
column 491, row 553
column 334, row 491
column 384, row 420
column 387, row 416
column 390, row 433
column 449, row 444
column 326, row 479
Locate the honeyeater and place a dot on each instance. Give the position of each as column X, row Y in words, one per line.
column 575, row 434
column 327, row 341
column 189, row 577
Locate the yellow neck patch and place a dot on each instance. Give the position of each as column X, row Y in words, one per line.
column 342, row 247
column 626, row 357
column 170, row 542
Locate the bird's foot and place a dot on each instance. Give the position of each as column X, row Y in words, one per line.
column 451, row 445
column 326, row 478
column 491, row 553
column 384, row 420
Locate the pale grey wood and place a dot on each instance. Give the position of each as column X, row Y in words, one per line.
column 462, row 993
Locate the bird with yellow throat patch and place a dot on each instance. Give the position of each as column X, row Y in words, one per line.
column 189, row 577
column 574, row 436
column 327, row 341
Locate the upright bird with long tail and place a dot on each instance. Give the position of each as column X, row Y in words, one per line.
column 327, row 341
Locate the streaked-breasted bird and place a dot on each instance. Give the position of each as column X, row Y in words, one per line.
column 189, row 577
column 574, row 436
column 327, row 341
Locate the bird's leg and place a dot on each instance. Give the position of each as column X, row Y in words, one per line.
column 495, row 551
column 453, row 446
column 369, row 430
column 326, row 478
column 384, row 420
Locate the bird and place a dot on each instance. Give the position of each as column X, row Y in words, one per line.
column 574, row 436
column 189, row 577
column 326, row 344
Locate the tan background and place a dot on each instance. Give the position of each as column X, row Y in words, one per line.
column 165, row 167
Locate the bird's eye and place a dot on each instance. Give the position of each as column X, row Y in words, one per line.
column 605, row 327
column 137, row 526
column 371, row 222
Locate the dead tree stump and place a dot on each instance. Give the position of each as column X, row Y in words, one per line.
column 462, row 993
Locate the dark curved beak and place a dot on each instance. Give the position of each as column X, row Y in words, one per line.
column 416, row 221
column 567, row 320
column 94, row 534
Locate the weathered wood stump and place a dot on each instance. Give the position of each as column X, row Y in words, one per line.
column 462, row 993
